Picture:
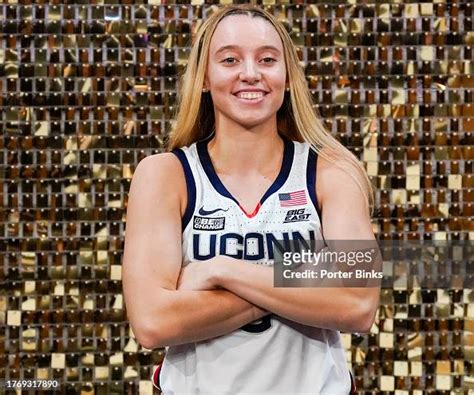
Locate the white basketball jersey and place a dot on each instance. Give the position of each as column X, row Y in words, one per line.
column 273, row 355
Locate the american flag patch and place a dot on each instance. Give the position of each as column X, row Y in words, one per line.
column 297, row 198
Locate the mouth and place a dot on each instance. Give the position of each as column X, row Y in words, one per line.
column 250, row 96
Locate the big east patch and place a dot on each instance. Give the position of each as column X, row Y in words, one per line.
column 298, row 215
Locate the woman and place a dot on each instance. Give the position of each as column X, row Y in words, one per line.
column 245, row 151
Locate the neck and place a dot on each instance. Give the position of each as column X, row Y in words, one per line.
column 240, row 150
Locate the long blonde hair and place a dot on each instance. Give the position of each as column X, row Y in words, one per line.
column 297, row 119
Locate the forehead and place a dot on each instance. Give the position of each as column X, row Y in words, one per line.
column 245, row 31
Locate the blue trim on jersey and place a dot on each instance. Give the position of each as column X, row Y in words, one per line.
column 288, row 155
column 311, row 180
column 190, row 185
column 311, row 171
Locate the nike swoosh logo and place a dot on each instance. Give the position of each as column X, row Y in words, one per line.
column 205, row 212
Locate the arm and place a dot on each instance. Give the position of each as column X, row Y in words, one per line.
column 347, row 309
column 159, row 314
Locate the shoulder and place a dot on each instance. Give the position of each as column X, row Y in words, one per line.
column 337, row 180
column 166, row 160
column 158, row 166
column 344, row 205
column 160, row 174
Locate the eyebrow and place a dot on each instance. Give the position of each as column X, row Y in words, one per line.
column 227, row 47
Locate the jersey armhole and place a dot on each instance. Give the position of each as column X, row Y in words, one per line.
column 190, row 187
column 311, row 171
column 311, row 180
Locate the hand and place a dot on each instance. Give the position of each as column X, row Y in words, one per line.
column 197, row 276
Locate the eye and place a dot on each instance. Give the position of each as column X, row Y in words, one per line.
column 269, row 60
column 226, row 60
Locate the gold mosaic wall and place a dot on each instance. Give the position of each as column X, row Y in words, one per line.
column 87, row 91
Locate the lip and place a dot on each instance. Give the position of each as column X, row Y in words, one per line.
column 250, row 101
column 250, row 90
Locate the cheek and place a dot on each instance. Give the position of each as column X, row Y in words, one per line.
column 280, row 76
column 220, row 78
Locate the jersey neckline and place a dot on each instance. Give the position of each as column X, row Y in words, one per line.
column 205, row 159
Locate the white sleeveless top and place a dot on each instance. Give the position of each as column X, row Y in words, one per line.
column 273, row 355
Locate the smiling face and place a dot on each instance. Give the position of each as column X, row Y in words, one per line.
column 246, row 71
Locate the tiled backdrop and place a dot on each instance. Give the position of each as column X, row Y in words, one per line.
column 87, row 90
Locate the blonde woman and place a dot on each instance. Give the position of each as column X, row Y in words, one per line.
column 203, row 220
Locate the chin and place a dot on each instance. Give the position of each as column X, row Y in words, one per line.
column 250, row 123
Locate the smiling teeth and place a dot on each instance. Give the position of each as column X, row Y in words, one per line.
column 250, row 95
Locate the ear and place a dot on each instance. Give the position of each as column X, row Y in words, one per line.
column 206, row 81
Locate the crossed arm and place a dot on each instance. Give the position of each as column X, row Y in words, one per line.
column 159, row 313
column 168, row 306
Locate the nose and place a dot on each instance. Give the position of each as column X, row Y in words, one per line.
column 250, row 72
